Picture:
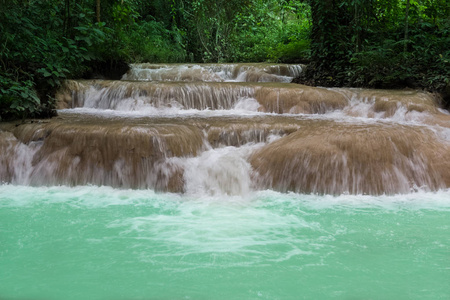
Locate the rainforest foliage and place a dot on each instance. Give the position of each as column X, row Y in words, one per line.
column 382, row 43
column 376, row 43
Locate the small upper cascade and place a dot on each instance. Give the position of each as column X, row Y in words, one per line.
column 239, row 72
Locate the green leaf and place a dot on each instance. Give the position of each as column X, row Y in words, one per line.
column 44, row 72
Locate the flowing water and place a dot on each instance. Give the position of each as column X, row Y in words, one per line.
column 226, row 182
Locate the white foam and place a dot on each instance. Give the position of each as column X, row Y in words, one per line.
column 244, row 107
column 94, row 196
column 221, row 171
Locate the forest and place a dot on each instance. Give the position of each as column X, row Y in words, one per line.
column 358, row 43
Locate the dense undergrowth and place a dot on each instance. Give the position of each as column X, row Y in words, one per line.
column 387, row 44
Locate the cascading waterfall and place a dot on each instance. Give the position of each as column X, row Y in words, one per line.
column 329, row 141
column 225, row 181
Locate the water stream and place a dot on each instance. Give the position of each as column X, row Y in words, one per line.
column 225, row 181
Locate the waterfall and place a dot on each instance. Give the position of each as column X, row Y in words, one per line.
column 231, row 129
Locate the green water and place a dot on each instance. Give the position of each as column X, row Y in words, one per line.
column 104, row 243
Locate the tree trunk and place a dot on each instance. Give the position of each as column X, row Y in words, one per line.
column 98, row 11
column 406, row 26
column 324, row 31
column 66, row 23
column 358, row 28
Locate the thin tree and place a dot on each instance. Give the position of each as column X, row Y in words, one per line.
column 406, row 26
column 98, row 11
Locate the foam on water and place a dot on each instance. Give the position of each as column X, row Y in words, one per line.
column 102, row 196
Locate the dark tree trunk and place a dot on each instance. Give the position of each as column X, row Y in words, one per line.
column 98, row 11
column 325, row 31
column 406, row 26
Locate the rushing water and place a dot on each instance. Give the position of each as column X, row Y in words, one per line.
column 104, row 243
column 184, row 189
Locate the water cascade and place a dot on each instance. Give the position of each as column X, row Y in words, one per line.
column 281, row 136
column 226, row 182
